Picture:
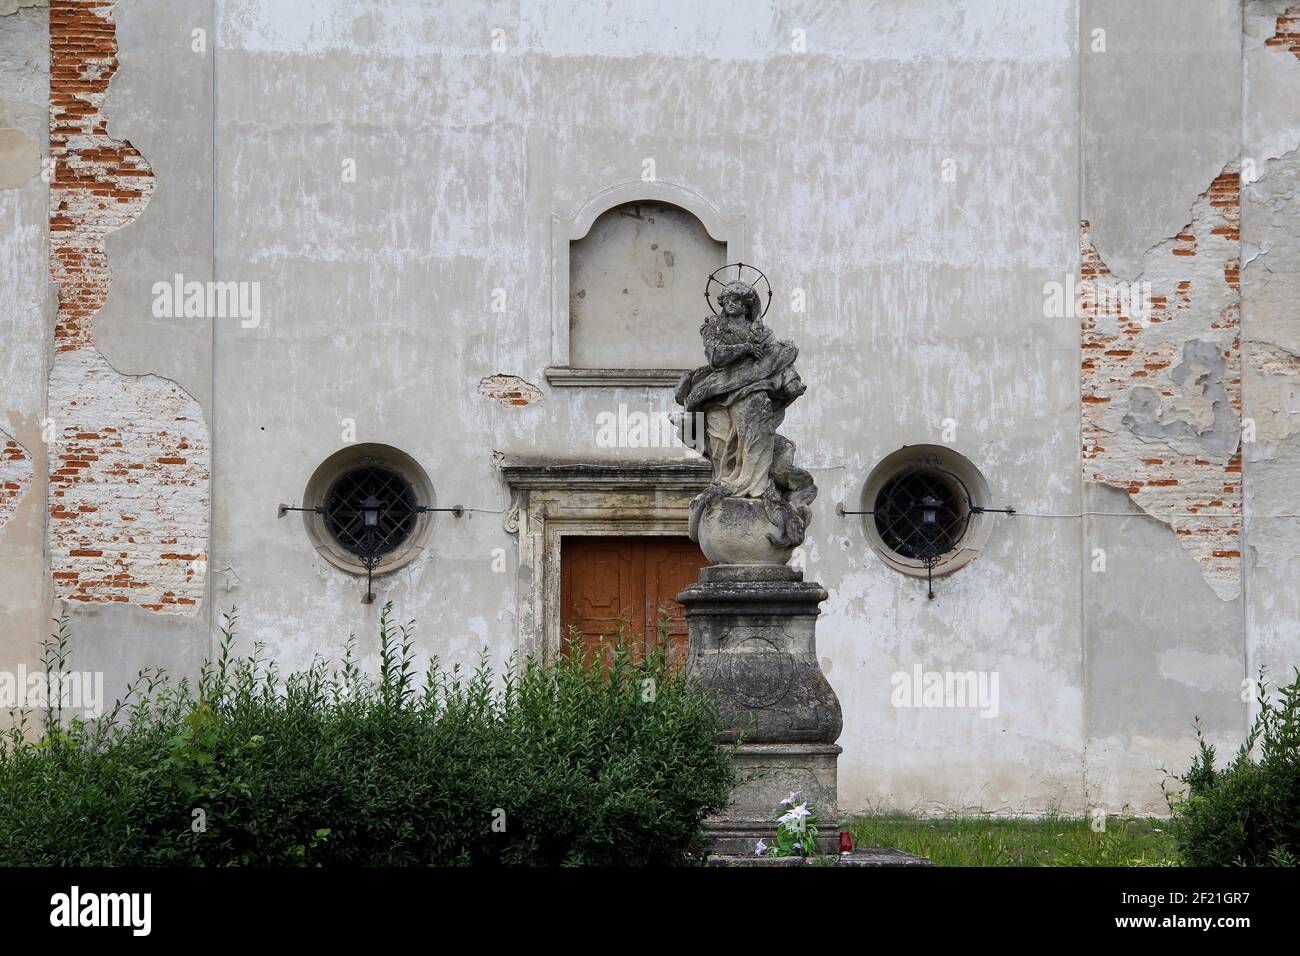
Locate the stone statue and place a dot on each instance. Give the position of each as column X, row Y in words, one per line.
column 751, row 617
column 755, row 510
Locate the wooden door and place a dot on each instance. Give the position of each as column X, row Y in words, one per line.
column 671, row 565
column 610, row 584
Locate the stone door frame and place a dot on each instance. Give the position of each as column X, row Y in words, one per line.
column 552, row 500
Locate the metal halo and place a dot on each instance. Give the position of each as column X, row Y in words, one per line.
column 739, row 267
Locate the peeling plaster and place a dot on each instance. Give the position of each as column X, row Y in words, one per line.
column 1162, row 390
column 26, row 318
column 1162, row 115
column 128, row 470
column 1270, row 73
column 1271, row 293
column 509, row 391
column 8, row 7
column 1286, row 31
column 176, row 237
column 16, row 473
column 1271, row 223
column 1270, row 229
column 1272, row 389
column 1198, row 415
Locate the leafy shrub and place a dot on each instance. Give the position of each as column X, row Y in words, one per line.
column 573, row 763
column 1248, row 813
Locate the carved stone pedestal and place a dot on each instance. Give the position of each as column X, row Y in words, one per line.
column 753, row 644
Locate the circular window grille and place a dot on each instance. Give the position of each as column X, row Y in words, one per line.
column 923, row 510
column 390, row 499
column 921, row 514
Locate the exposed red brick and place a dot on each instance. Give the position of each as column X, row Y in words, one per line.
column 509, row 391
column 1287, row 36
column 1199, row 498
column 129, row 448
column 16, row 473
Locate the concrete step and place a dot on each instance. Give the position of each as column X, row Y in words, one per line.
column 866, row 856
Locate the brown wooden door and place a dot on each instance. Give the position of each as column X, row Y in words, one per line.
column 608, row 584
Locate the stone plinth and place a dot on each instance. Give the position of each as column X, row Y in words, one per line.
column 753, row 644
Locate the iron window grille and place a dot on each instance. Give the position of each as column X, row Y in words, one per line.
column 922, row 514
column 389, row 495
column 370, row 511
column 919, row 516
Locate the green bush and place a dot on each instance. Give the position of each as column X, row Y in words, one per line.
column 572, row 763
column 1248, row 813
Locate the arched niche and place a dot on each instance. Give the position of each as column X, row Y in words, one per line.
column 628, row 284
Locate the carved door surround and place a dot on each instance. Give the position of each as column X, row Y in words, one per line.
column 552, row 500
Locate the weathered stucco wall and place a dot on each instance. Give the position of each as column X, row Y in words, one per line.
column 25, row 308
column 387, row 179
column 1270, row 279
column 916, row 222
column 1185, row 116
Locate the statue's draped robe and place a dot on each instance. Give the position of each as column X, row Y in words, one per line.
column 742, row 400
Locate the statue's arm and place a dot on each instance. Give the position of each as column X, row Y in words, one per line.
column 719, row 353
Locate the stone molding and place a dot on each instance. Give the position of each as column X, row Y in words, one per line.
column 555, row 499
column 614, row 377
column 567, row 230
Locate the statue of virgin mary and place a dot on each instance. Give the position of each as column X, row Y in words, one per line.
column 741, row 396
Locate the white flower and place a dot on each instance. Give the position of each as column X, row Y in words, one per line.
column 760, row 848
column 789, row 801
column 795, row 816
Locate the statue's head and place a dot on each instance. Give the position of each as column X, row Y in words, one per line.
column 740, row 298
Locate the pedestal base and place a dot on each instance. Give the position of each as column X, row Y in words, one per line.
column 753, row 646
column 768, row 774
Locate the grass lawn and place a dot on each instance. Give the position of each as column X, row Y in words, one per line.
column 993, row 841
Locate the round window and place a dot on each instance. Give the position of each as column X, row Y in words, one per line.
column 369, row 498
column 919, row 514
column 370, row 510
column 919, row 503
